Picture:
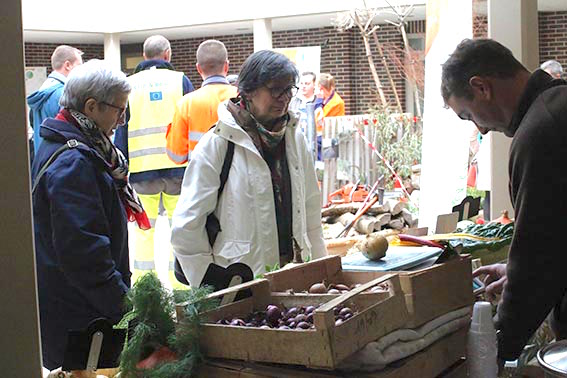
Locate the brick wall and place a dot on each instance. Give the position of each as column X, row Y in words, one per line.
column 342, row 54
column 553, row 37
column 39, row 54
column 480, row 26
column 364, row 86
column 336, row 53
column 239, row 46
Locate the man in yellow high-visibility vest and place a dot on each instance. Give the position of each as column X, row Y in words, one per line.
column 156, row 88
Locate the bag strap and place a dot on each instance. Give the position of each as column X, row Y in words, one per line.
column 226, row 167
column 71, row 143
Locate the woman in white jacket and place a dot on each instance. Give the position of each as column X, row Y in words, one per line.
column 271, row 199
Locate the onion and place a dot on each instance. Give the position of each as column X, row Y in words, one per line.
column 309, row 309
column 345, row 311
column 292, row 312
column 318, row 288
column 237, row 322
column 273, row 314
column 304, row 325
column 300, row 318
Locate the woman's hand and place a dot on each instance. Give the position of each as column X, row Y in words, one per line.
column 495, row 279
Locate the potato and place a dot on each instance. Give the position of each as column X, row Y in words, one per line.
column 373, row 247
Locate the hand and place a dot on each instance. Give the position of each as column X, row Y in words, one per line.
column 495, row 279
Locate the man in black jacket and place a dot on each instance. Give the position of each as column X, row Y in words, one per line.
column 482, row 82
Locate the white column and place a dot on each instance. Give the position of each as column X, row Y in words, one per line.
column 19, row 328
column 514, row 23
column 445, row 142
column 262, row 34
column 112, row 49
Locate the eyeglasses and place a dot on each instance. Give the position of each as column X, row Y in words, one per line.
column 119, row 108
column 279, row 92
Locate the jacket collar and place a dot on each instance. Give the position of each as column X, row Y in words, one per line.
column 158, row 63
column 58, row 76
column 215, row 79
column 538, row 82
column 228, row 129
column 59, row 131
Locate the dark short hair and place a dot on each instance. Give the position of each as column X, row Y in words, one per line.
column 312, row 74
column 476, row 57
column 262, row 67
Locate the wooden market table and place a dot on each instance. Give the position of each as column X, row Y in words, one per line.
column 443, row 359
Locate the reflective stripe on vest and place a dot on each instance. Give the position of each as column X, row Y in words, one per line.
column 152, row 105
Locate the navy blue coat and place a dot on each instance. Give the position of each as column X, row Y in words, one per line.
column 81, row 240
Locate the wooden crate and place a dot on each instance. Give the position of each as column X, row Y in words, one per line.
column 443, row 359
column 458, row 370
column 491, row 257
column 429, row 292
column 323, row 347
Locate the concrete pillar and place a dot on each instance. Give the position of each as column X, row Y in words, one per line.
column 112, row 49
column 19, row 328
column 514, row 23
column 262, row 34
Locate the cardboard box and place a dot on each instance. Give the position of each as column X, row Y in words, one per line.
column 429, row 292
column 323, row 347
column 442, row 359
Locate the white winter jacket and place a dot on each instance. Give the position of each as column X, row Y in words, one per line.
column 246, row 209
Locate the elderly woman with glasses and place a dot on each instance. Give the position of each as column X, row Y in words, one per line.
column 270, row 203
column 81, row 204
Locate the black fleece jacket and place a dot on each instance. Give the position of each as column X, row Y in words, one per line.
column 537, row 263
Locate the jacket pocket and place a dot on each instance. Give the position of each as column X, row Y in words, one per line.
column 234, row 249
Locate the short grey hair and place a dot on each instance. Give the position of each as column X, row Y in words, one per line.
column 94, row 79
column 552, row 67
column 62, row 54
column 211, row 56
column 155, row 46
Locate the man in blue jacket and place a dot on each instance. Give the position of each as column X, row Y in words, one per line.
column 44, row 103
column 156, row 88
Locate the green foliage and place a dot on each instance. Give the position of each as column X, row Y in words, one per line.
column 398, row 139
column 268, row 269
column 153, row 308
column 475, row 193
column 503, row 232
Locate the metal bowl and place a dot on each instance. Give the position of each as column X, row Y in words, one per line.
column 553, row 359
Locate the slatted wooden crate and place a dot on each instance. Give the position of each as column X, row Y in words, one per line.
column 325, row 346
